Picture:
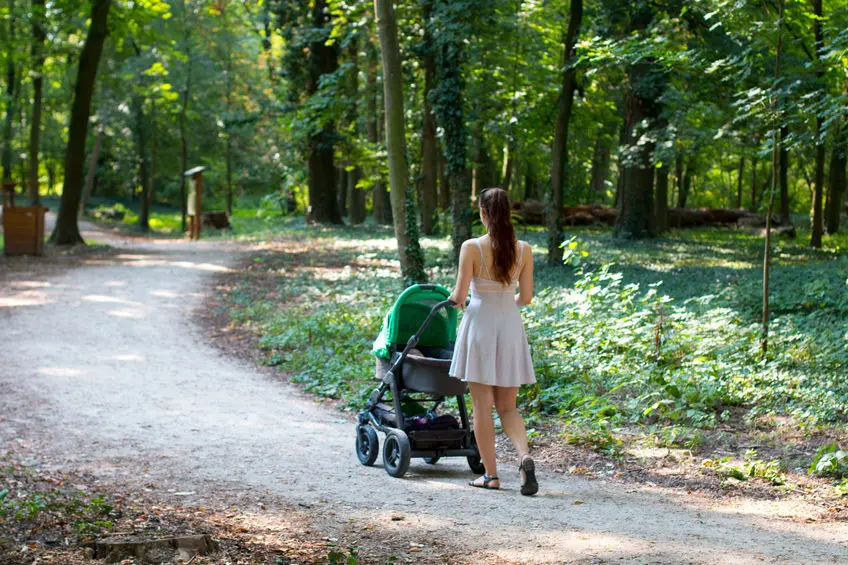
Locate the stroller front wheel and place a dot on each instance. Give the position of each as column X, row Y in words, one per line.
column 476, row 464
column 367, row 445
column 396, row 453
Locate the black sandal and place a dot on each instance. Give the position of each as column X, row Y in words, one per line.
column 486, row 480
column 529, row 486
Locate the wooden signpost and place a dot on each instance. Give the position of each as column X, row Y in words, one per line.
column 23, row 226
column 195, row 199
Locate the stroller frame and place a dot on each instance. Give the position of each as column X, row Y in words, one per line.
column 399, row 445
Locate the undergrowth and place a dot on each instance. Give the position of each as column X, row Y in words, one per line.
column 660, row 334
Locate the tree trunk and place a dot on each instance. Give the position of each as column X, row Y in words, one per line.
column 406, row 231
column 784, row 178
column 559, row 150
column 451, row 116
column 429, row 143
column 38, row 37
column 92, row 170
column 774, row 174
column 661, row 201
column 322, row 171
column 229, row 128
column 818, row 181
column 837, row 183
column 739, row 183
column 754, row 185
column 600, row 168
column 143, row 164
column 355, row 196
column 686, row 185
column 67, row 229
column 11, row 99
column 445, row 196
column 372, row 119
column 341, row 190
column 509, row 165
column 186, row 96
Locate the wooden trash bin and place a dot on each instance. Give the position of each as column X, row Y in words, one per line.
column 23, row 226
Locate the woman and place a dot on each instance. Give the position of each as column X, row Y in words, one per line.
column 491, row 352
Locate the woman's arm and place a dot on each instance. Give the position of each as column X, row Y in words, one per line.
column 464, row 274
column 525, row 279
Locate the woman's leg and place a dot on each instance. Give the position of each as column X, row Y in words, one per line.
column 511, row 421
column 482, row 399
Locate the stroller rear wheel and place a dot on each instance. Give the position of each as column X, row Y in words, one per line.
column 367, row 446
column 476, row 464
column 396, row 453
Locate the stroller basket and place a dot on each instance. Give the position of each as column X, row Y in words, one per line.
column 430, row 375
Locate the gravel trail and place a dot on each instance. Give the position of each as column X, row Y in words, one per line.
column 103, row 368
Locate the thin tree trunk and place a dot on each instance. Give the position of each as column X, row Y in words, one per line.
column 38, row 37
column 341, row 190
column 323, row 205
column 11, row 99
column 559, row 151
column 372, row 117
column 66, row 231
column 154, row 142
column 444, row 184
column 818, row 182
column 837, row 183
column 186, row 97
column 739, row 182
column 774, row 175
column 228, row 128
column 355, row 196
column 600, row 168
column 429, row 143
column 686, row 184
column 661, row 203
column 406, row 231
column 754, row 185
column 92, row 169
column 143, row 164
column 783, row 179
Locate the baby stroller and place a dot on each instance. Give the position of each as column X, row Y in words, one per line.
column 414, row 351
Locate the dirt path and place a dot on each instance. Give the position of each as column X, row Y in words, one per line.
column 102, row 368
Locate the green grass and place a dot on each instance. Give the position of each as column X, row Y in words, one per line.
column 658, row 332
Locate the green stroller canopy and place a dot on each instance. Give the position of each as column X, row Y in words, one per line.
column 410, row 310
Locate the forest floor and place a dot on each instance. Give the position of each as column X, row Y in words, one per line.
column 128, row 405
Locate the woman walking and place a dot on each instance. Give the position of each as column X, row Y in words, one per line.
column 491, row 351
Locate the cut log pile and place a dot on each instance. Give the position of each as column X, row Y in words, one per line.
column 533, row 212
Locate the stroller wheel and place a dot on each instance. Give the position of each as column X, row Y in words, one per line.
column 476, row 464
column 396, row 453
column 366, row 444
column 431, row 460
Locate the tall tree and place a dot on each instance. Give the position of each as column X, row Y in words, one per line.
column 559, row 151
column 818, row 179
column 323, row 61
column 38, row 36
column 406, row 229
column 11, row 95
column 429, row 143
column 66, row 231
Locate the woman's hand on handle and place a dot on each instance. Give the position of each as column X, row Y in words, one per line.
column 463, row 275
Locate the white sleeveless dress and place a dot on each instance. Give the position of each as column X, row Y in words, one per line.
column 491, row 346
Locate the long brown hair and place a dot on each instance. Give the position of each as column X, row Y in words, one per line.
column 495, row 203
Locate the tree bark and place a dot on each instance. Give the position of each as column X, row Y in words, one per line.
column 837, row 183
column 559, row 150
column 143, row 164
column 322, row 171
column 600, row 168
column 739, row 182
column 92, row 169
column 11, row 97
column 38, row 37
column 754, row 185
column 66, row 231
column 406, row 232
column 372, row 119
column 355, row 196
column 451, row 116
column 429, row 143
column 661, row 200
column 783, row 179
column 186, row 97
column 774, row 174
column 818, row 180
column 444, row 183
